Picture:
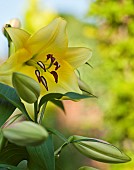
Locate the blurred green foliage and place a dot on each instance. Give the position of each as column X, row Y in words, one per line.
column 36, row 16
column 115, row 33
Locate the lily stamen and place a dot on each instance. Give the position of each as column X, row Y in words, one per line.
column 55, row 75
column 37, row 73
column 49, row 56
column 57, row 65
column 52, row 59
column 42, row 65
column 44, row 82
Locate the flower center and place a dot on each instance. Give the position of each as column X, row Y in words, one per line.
column 50, row 65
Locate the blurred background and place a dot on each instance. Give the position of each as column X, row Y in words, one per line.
column 107, row 27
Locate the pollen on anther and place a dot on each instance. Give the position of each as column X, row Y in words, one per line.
column 49, row 56
column 52, row 59
column 37, row 73
column 44, row 82
column 57, row 65
column 55, row 75
column 41, row 65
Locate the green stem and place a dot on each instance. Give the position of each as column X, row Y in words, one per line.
column 58, row 151
column 36, row 111
column 42, row 112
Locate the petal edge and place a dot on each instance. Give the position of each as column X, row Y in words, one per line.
column 77, row 56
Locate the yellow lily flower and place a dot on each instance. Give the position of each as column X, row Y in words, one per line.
column 46, row 57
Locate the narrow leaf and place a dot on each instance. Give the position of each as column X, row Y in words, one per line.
column 76, row 96
column 8, row 93
column 42, row 156
column 59, row 104
column 57, row 133
column 69, row 95
column 6, row 109
column 9, row 167
column 12, row 154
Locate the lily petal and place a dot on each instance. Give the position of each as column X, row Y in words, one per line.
column 18, row 36
column 67, row 80
column 50, row 38
column 14, row 63
column 77, row 56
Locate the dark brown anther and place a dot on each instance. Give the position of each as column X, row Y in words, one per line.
column 52, row 59
column 37, row 73
column 44, row 82
column 49, row 56
column 55, row 75
column 42, row 65
column 57, row 65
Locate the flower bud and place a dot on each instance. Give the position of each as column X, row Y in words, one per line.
column 2, row 140
column 14, row 119
column 84, row 87
column 14, row 23
column 98, row 150
column 25, row 133
column 87, row 168
column 27, row 88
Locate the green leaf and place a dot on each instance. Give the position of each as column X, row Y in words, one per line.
column 57, row 133
column 59, row 104
column 12, row 154
column 2, row 140
column 49, row 97
column 9, row 167
column 69, row 95
column 76, row 96
column 9, row 94
column 6, row 109
column 42, row 156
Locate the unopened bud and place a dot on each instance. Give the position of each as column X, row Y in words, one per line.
column 15, row 23
column 14, row 119
column 25, row 133
column 84, row 87
column 2, row 140
column 98, row 150
column 27, row 88
column 87, row 168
